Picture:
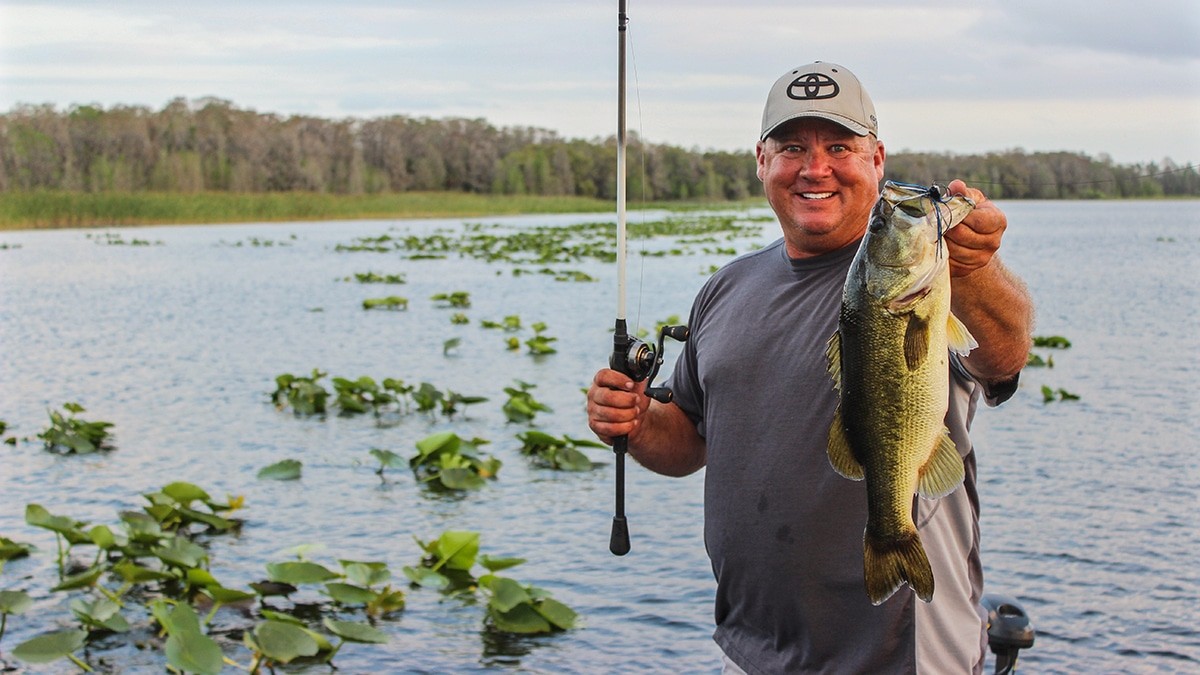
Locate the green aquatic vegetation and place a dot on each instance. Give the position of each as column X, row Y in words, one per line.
column 460, row 299
column 287, row 469
column 451, row 401
column 68, row 434
column 521, row 406
column 447, row 566
column 444, row 460
column 1049, row 395
column 67, row 531
column 1036, row 361
column 99, row 614
column 115, row 239
column 52, row 646
column 511, row 323
column 459, row 319
column 450, row 345
column 12, row 603
column 514, row 607
column 1051, row 341
column 429, row 398
column 376, row 278
column 556, row 245
column 391, row 302
column 363, row 394
column 672, row 320
column 561, row 454
column 387, row 460
column 559, row 275
column 13, row 550
column 188, row 649
column 305, row 395
column 154, row 550
column 448, row 560
column 540, row 344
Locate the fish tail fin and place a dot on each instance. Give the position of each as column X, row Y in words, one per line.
column 888, row 565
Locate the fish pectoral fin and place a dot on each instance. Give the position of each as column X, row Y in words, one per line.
column 958, row 338
column 841, row 457
column 833, row 352
column 943, row 473
column 916, row 341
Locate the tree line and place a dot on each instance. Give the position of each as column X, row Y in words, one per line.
column 210, row 144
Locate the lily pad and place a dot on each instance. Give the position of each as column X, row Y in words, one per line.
column 194, row 652
column 283, row 642
column 349, row 594
column 50, row 646
column 356, row 632
column 300, row 572
column 15, row 602
column 288, row 469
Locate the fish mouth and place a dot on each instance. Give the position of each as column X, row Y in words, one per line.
column 903, row 302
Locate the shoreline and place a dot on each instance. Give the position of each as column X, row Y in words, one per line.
column 53, row 210
column 47, row 210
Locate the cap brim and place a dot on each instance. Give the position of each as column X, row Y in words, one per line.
column 846, row 122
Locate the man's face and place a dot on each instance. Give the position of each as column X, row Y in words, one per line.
column 822, row 181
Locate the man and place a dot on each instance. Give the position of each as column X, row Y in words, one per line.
column 754, row 401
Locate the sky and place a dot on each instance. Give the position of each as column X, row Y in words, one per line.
column 1101, row 77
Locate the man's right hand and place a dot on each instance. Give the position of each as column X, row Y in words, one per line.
column 615, row 405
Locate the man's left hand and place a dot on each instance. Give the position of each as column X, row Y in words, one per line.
column 974, row 241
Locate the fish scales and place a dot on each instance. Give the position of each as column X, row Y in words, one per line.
column 890, row 363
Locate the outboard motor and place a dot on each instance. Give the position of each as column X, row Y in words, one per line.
column 1009, row 630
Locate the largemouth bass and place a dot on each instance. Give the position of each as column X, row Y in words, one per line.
column 890, row 363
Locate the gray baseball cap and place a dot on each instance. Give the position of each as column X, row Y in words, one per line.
column 824, row 90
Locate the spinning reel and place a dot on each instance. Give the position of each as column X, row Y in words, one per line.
column 640, row 361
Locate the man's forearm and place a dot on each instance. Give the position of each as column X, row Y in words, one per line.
column 996, row 307
column 667, row 442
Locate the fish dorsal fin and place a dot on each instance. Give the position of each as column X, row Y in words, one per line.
column 958, row 338
column 943, row 473
column 833, row 352
column 841, row 457
column 916, row 341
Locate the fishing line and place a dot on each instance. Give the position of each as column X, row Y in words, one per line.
column 637, row 97
column 940, row 196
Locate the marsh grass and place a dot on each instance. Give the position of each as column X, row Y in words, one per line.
column 48, row 209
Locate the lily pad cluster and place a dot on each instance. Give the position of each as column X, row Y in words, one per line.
column 69, row 434
column 512, row 607
column 154, row 569
column 448, row 461
column 377, row 278
column 306, row 395
column 550, row 245
column 1035, row 360
column 561, row 453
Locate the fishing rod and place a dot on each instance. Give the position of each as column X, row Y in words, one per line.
column 630, row 355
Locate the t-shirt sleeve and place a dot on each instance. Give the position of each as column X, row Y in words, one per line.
column 685, row 381
column 994, row 393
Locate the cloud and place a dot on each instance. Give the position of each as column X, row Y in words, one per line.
column 967, row 73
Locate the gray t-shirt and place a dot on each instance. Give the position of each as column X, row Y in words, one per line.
column 783, row 530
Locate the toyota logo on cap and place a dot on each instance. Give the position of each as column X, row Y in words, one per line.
column 813, row 87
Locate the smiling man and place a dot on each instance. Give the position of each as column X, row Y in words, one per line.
column 754, row 402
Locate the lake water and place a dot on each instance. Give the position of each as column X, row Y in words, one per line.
column 1089, row 506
